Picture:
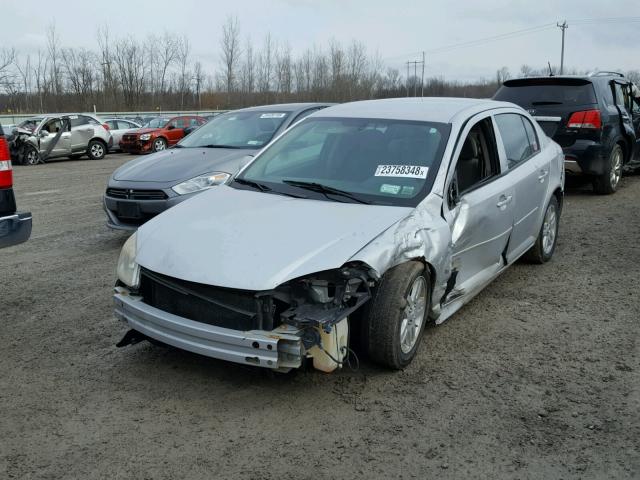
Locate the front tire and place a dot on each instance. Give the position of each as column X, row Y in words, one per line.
column 396, row 315
column 545, row 245
column 159, row 144
column 96, row 150
column 607, row 183
column 31, row 156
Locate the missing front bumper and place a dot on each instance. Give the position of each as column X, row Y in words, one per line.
column 280, row 349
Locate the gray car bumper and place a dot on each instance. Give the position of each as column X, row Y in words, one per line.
column 147, row 208
column 279, row 349
column 15, row 229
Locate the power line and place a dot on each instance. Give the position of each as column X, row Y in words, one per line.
column 518, row 33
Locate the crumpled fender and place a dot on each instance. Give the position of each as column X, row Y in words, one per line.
column 424, row 235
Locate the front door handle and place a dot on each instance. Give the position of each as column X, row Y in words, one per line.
column 503, row 201
column 543, row 174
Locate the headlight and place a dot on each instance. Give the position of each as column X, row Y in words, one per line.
column 145, row 136
column 128, row 270
column 201, row 183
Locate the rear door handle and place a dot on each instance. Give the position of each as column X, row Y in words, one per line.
column 503, row 201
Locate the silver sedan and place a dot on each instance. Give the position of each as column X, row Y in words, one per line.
column 118, row 127
column 358, row 225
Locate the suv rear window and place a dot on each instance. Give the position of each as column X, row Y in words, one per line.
column 547, row 91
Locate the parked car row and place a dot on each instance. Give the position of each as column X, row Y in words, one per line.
column 50, row 137
column 279, row 235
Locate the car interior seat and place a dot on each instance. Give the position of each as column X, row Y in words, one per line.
column 469, row 168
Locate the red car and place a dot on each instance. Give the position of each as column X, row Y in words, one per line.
column 159, row 134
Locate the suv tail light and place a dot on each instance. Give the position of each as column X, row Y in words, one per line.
column 585, row 119
column 6, row 171
column 106, row 126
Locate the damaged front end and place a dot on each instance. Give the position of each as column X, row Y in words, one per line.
column 20, row 141
column 304, row 318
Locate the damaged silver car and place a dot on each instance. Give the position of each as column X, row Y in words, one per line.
column 357, row 225
column 39, row 139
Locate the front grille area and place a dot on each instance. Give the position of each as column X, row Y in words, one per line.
column 132, row 194
column 222, row 307
column 129, row 137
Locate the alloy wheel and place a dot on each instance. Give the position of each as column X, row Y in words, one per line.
column 549, row 229
column 413, row 314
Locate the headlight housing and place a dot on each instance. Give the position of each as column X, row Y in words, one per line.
column 145, row 136
column 201, row 182
column 128, row 270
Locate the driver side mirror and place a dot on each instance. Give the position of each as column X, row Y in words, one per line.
column 171, row 127
column 453, row 195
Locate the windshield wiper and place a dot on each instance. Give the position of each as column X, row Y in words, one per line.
column 263, row 188
column 251, row 183
column 324, row 189
column 220, row 146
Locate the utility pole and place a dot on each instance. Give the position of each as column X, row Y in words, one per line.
column 407, row 81
column 415, row 76
column 422, row 79
column 562, row 27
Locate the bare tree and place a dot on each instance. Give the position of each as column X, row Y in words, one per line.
column 230, row 54
column 129, row 61
column 184, row 79
column 248, row 71
column 265, row 67
column 167, row 56
column 53, row 42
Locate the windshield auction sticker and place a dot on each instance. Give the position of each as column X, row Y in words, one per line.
column 272, row 115
column 406, row 171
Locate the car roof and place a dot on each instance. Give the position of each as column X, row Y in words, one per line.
column 424, row 109
column 284, row 107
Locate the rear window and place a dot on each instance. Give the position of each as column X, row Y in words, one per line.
column 547, row 92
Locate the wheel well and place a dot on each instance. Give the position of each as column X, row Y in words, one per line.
column 559, row 194
column 624, row 144
column 97, row 139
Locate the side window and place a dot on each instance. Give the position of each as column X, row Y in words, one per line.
column 636, row 105
column 77, row 121
column 534, row 145
column 478, row 159
column 514, row 137
column 113, row 124
column 622, row 96
column 173, row 123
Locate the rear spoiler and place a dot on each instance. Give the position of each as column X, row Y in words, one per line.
column 526, row 82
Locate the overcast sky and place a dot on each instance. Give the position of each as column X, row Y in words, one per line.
column 397, row 29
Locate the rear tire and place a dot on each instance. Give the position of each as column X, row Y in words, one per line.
column 396, row 315
column 608, row 182
column 545, row 245
column 96, row 150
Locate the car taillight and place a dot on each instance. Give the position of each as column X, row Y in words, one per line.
column 106, row 126
column 6, row 171
column 585, row 119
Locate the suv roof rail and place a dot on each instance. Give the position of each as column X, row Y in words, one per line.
column 605, row 73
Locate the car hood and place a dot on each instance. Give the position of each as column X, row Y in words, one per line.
column 139, row 131
column 179, row 164
column 257, row 241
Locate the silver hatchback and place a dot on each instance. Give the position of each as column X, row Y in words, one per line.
column 48, row 137
column 360, row 224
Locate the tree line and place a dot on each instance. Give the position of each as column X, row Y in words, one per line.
column 161, row 72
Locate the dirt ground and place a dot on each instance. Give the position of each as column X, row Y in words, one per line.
column 538, row 377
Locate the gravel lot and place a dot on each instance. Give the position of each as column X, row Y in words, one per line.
column 538, row 377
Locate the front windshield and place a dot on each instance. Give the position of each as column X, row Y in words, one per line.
column 250, row 130
column 392, row 162
column 157, row 123
column 30, row 123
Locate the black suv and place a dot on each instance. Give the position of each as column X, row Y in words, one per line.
column 595, row 119
column 14, row 227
